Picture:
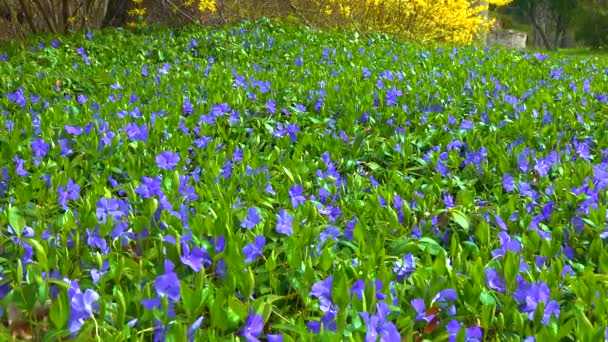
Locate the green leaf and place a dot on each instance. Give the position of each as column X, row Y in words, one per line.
column 177, row 332
column 40, row 254
column 429, row 245
column 461, row 220
column 487, row 298
column 60, row 310
column 16, row 221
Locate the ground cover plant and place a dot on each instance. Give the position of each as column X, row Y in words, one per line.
column 280, row 183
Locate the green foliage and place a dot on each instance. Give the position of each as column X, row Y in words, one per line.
column 592, row 24
column 401, row 152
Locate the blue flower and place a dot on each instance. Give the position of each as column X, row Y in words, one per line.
column 252, row 218
column 472, row 334
column 274, row 338
column 40, row 147
column 20, row 167
column 167, row 160
column 420, row 307
column 69, row 192
column 392, row 95
column 271, row 106
column 192, row 329
column 358, row 289
column 195, row 258
column 507, row 244
column 254, row 325
column 494, row 281
column 253, row 251
column 284, row 223
column 507, row 182
column 536, row 294
column 377, row 325
column 168, row 284
column 405, row 267
column 82, row 306
column 322, row 289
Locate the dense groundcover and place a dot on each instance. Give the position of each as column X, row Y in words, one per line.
column 282, row 183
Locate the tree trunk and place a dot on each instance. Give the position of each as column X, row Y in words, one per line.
column 65, row 14
column 116, row 14
column 536, row 17
column 28, row 15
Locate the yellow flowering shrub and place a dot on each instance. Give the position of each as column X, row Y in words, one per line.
column 453, row 21
column 137, row 14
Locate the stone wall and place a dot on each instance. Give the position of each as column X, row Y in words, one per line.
column 507, row 38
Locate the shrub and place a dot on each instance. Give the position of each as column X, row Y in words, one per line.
column 457, row 21
column 592, row 25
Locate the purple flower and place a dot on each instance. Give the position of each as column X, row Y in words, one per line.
column 349, row 232
column 81, row 51
column 536, row 294
column 284, row 223
column 192, row 329
column 19, row 168
column 252, row 218
column 271, row 106
column 81, row 307
column 403, row 268
column 292, row 130
column 500, row 222
column 420, row 307
column 448, row 200
column 296, row 195
column 507, row 182
column 274, row 338
column 582, row 149
column 73, row 130
column 358, row 289
column 322, row 288
column 168, row 283
column 219, row 110
column 187, row 107
column 446, row 295
column 377, row 325
column 542, row 167
column 202, row 142
column 254, row 325
column 108, row 207
column 150, row 187
column 392, row 95
column 137, row 133
column 40, row 148
column 167, row 160
column 226, row 170
column 507, row 244
column 526, row 190
column 96, row 241
column 466, row 125
column 494, row 280
column 253, row 251
column 195, row 258
column 472, row 334
column 69, row 192
column 269, row 189
column 66, row 150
